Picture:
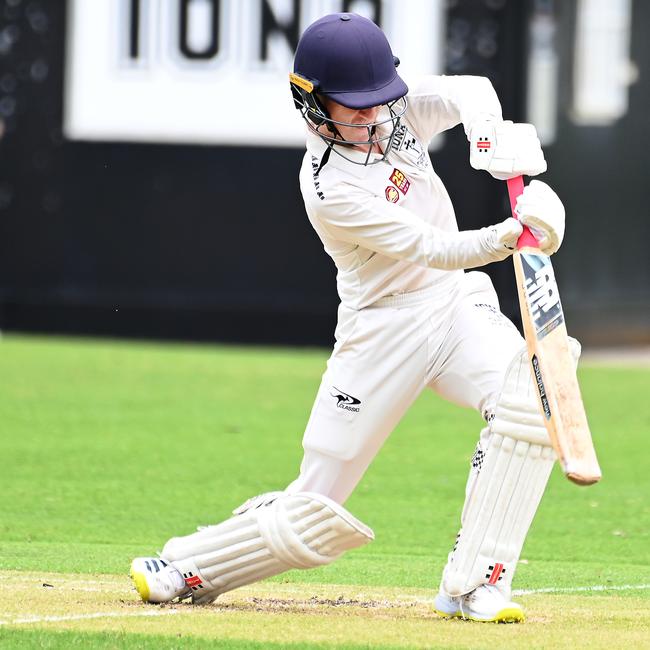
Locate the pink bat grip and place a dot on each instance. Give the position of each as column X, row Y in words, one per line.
column 515, row 188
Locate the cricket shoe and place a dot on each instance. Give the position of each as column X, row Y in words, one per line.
column 485, row 604
column 157, row 581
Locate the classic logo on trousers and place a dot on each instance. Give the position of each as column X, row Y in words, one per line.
column 345, row 401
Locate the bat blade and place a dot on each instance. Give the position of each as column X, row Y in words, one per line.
column 550, row 358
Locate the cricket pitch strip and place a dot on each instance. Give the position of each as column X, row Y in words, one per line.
column 288, row 615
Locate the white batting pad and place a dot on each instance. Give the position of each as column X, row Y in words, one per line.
column 503, row 495
column 497, row 515
column 290, row 531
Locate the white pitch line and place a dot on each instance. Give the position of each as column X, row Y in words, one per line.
column 571, row 590
column 550, row 590
column 81, row 617
column 110, row 590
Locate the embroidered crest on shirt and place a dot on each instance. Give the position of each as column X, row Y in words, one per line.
column 392, row 195
column 400, row 181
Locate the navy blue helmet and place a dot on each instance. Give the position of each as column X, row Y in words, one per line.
column 347, row 58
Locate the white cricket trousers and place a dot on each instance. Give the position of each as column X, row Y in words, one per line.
column 451, row 337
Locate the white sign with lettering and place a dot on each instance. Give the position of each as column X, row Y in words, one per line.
column 211, row 71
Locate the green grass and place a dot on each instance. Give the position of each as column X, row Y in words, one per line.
column 113, row 640
column 110, row 448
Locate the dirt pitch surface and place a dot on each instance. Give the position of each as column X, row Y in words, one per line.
column 37, row 607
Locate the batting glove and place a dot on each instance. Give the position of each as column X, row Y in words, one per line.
column 505, row 149
column 541, row 209
column 501, row 240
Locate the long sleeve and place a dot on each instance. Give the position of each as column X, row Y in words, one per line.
column 438, row 103
column 377, row 225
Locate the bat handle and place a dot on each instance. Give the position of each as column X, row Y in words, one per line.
column 515, row 188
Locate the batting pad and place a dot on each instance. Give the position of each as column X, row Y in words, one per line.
column 504, row 496
column 290, row 531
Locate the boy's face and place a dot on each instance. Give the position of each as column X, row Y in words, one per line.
column 360, row 116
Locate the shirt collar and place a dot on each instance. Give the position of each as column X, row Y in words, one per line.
column 317, row 147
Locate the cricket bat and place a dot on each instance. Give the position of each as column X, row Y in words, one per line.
column 550, row 360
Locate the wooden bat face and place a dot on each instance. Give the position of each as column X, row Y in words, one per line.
column 551, row 363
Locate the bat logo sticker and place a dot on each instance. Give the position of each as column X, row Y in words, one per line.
column 537, row 373
column 542, row 293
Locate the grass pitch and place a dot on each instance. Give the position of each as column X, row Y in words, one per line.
column 109, row 449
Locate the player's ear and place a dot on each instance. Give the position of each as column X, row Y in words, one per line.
column 324, row 102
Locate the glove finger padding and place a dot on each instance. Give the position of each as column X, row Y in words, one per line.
column 501, row 239
column 541, row 209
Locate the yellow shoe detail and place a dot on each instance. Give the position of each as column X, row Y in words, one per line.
column 506, row 615
column 140, row 582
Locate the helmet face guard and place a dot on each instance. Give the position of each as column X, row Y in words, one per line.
column 316, row 115
column 347, row 58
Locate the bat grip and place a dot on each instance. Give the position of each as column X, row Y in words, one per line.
column 515, row 188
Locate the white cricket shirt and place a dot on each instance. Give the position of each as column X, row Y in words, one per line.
column 390, row 227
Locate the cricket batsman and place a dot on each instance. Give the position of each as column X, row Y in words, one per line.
column 411, row 317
